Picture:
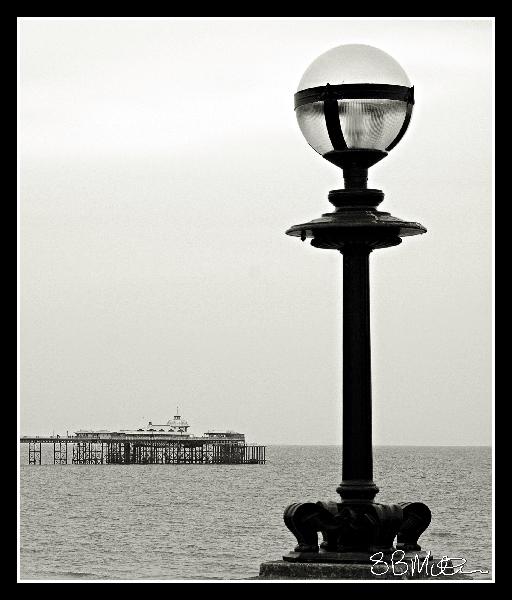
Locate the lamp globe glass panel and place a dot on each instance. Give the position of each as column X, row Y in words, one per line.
column 366, row 123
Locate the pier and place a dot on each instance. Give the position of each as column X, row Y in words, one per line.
column 143, row 450
column 169, row 443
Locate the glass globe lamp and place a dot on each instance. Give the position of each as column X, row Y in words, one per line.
column 353, row 105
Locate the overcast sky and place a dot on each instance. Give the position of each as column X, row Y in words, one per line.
column 162, row 164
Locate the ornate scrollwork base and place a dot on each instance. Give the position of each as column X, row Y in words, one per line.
column 354, row 529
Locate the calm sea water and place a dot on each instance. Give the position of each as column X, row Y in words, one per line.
column 221, row 521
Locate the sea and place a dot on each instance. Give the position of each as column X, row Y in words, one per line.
column 219, row 522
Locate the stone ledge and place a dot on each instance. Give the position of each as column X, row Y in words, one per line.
column 280, row 569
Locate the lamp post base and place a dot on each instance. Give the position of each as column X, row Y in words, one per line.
column 354, row 530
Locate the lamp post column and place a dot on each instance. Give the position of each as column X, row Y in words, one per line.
column 357, row 391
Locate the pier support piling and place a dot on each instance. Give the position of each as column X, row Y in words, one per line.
column 34, row 453
column 97, row 451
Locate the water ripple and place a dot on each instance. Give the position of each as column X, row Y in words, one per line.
column 222, row 521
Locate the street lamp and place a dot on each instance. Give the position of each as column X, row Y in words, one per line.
column 353, row 106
